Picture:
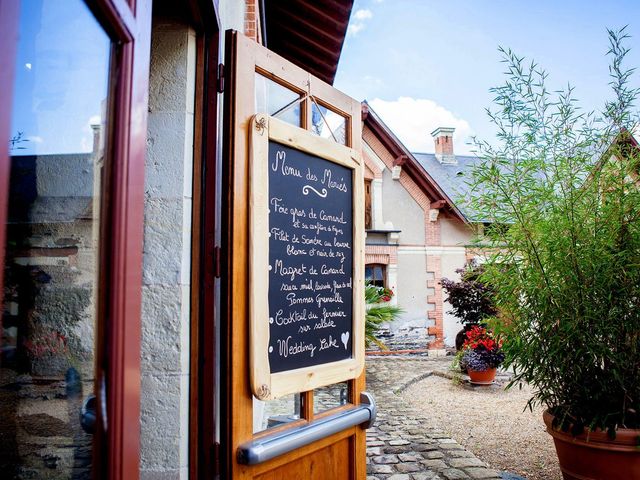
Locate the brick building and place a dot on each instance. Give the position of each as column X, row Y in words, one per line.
column 416, row 234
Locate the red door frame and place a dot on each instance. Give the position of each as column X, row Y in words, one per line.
column 128, row 24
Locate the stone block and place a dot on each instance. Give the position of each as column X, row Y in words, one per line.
column 482, row 473
column 408, row 467
column 385, row 459
column 168, row 87
column 160, row 475
column 162, row 256
column 161, row 329
column 454, row 474
column 435, row 464
column 466, row 462
column 163, row 211
column 379, row 469
column 160, row 422
column 164, row 164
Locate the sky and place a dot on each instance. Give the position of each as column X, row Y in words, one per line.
column 61, row 78
column 422, row 64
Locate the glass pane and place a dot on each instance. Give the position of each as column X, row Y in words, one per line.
column 328, row 124
column 368, row 273
column 277, row 101
column 378, row 273
column 50, row 278
column 330, row 396
column 274, row 413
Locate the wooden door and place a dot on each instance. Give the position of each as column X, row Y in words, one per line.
column 260, row 81
column 71, row 215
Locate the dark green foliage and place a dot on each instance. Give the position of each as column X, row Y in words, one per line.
column 377, row 313
column 471, row 300
column 566, row 271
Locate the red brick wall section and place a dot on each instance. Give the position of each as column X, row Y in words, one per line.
column 251, row 19
column 444, row 145
column 432, row 233
column 432, row 229
column 371, row 165
column 385, row 254
column 436, row 314
column 432, row 238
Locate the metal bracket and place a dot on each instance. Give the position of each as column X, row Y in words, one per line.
column 267, row 448
column 367, row 400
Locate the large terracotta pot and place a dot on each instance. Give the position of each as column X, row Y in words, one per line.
column 594, row 456
column 484, row 377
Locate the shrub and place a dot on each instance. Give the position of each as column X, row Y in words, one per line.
column 566, row 271
column 471, row 299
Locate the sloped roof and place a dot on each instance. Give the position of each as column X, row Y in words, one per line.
column 452, row 178
column 309, row 33
column 417, row 172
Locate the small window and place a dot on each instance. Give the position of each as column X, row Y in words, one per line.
column 376, row 274
column 368, row 219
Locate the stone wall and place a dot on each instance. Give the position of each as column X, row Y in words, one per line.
column 166, row 254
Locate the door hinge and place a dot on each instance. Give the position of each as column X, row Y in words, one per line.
column 217, row 266
column 215, row 455
column 220, row 77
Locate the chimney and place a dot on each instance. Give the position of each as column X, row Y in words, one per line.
column 443, row 139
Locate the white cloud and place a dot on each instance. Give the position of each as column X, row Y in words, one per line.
column 363, row 14
column 358, row 21
column 354, row 28
column 413, row 119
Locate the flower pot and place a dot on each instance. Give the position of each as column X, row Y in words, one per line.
column 483, row 377
column 594, row 456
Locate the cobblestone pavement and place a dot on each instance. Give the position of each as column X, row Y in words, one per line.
column 402, row 445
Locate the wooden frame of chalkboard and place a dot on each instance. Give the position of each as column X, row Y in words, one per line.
column 306, row 260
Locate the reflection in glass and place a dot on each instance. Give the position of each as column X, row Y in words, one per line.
column 331, row 396
column 51, row 262
column 274, row 413
column 328, row 124
column 277, row 101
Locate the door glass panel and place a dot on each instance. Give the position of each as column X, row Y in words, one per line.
column 51, row 262
column 274, row 413
column 328, row 124
column 277, row 101
column 331, row 396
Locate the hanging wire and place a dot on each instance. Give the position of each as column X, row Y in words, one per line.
column 298, row 100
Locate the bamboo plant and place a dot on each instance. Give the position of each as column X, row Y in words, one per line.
column 565, row 269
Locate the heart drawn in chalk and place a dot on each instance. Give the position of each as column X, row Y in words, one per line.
column 345, row 339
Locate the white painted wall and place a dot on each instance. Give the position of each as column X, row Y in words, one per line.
column 451, row 261
column 399, row 207
column 454, row 232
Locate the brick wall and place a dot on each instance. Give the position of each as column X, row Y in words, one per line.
column 384, row 254
column 251, row 22
column 432, row 237
column 434, row 275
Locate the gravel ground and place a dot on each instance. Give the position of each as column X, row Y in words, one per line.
column 490, row 422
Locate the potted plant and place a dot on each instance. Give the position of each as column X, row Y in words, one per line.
column 481, row 355
column 378, row 311
column 565, row 267
column 470, row 299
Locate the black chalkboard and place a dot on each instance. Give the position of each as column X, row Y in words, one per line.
column 310, row 260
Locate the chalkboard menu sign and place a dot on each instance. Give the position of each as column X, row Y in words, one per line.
column 306, row 253
column 310, row 259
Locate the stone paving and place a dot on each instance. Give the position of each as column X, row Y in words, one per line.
column 403, row 445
